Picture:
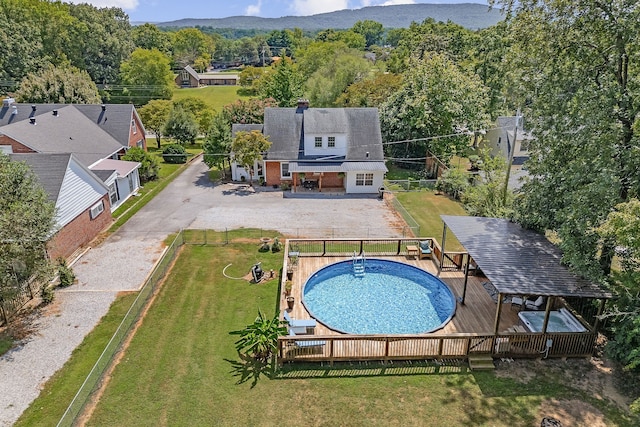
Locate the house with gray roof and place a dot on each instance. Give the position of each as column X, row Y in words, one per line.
column 319, row 149
column 121, row 121
column 188, row 77
column 81, row 199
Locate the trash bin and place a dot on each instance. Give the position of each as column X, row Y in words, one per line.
column 381, row 193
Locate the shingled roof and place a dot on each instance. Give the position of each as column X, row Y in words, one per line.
column 115, row 119
column 518, row 261
column 69, row 131
column 285, row 127
column 49, row 168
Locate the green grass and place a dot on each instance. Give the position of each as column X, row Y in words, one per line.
column 215, row 97
column 426, row 207
column 6, row 342
column 181, row 368
column 59, row 391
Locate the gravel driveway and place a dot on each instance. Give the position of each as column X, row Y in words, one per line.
column 122, row 262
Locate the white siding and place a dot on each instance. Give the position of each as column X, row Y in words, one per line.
column 124, row 189
column 339, row 150
column 79, row 192
column 351, row 187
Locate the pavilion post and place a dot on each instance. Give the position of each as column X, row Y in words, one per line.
column 596, row 322
column 444, row 238
column 496, row 324
column 547, row 312
column 466, row 279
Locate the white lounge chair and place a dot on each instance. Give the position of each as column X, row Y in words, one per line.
column 299, row 325
column 306, row 344
column 534, row 305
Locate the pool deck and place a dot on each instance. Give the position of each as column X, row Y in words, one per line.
column 477, row 315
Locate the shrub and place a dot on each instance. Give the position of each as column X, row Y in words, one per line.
column 65, row 273
column 276, row 246
column 452, row 182
column 149, row 164
column 285, row 186
column 260, row 339
column 174, row 153
column 47, row 294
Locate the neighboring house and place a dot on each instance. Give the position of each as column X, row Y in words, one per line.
column 188, row 77
column 333, row 148
column 81, row 199
column 121, row 121
column 500, row 139
column 96, row 137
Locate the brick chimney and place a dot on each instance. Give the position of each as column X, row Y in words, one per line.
column 303, row 104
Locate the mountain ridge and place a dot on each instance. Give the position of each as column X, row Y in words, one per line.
column 469, row 15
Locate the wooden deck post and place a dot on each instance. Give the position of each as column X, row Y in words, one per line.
column 466, row 279
column 496, row 325
column 547, row 312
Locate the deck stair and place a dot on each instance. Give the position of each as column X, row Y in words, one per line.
column 358, row 264
column 481, row 361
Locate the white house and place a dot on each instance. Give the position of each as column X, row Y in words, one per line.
column 321, row 149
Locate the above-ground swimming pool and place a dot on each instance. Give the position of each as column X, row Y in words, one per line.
column 389, row 298
column 559, row 321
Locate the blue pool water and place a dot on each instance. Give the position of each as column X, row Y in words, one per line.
column 391, row 298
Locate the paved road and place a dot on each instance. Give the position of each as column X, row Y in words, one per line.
column 123, row 261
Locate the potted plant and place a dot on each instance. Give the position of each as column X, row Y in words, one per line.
column 301, row 175
column 287, row 287
column 290, row 302
column 289, row 272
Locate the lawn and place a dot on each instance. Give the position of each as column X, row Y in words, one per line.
column 215, row 97
column 181, row 368
column 59, row 391
column 426, row 207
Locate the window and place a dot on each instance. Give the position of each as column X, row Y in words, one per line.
column 132, row 184
column 96, row 209
column 284, row 170
column 113, row 194
column 364, row 179
column 318, row 142
column 332, row 142
column 134, row 127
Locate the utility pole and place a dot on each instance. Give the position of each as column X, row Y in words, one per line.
column 511, row 147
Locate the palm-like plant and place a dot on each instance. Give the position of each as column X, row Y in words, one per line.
column 261, row 337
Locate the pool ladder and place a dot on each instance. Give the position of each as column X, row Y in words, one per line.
column 358, row 264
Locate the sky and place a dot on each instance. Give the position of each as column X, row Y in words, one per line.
column 171, row 10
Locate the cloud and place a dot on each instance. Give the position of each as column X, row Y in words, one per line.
column 312, row 7
column 123, row 4
column 254, row 9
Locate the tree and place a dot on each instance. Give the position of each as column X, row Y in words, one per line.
column 436, row 99
column 181, row 126
column 248, row 148
column 66, row 85
column 575, row 64
column 154, row 116
column 149, row 164
column 329, row 81
column 249, row 79
column 190, row 44
column 485, row 196
column 101, row 41
column 284, row 84
column 202, row 113
column 27, row 219
column 148, row 75
column 260, row 339
column 622, row 226
column 370, row 92
column 372, row 31
column 217, row 146
column 148, row 36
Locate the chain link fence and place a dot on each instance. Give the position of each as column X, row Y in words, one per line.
column 94, row 378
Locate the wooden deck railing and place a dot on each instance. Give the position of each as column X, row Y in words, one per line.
column 335, row 348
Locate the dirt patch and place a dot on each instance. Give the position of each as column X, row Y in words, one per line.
column 596, row 376
column 572, row 413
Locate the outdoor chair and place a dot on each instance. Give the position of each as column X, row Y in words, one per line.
column 534, row 305
column 299, row 326
column 306, row 344
column 425, row 249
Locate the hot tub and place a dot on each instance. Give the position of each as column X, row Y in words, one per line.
column 559, row 321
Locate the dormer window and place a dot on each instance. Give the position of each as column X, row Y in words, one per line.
column 331, row 143
column 318, row 142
